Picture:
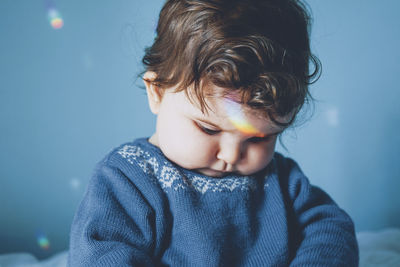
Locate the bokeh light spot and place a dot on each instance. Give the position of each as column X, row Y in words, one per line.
column 54, row 17
column 43, row 241
column 75, row 183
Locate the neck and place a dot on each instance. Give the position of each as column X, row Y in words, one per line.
column 153, row 140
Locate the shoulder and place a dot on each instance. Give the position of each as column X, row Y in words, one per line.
column 286, row 167
column 125, row 178
column 132, row 163
column 296, row 185
column 291, row 178
column 138, row 156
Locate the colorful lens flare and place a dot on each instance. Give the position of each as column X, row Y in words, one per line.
column 237, row 118
column 54, row 16
column 55, row 19
column 42, row 241
column 57, row 23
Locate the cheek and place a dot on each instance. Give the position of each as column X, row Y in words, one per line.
column 259, row 156
column 184, row 144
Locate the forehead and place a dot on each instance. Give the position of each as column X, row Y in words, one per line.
column 225, row 111
column 242, row 117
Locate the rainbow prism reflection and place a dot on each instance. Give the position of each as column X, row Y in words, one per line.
column 42, row 241
column 55, row 18
column 237, row 118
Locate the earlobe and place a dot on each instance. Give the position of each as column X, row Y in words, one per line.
column 153, row 92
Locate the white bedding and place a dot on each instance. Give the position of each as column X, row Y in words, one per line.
column 28, row 260
column 380, row 248
column 376, row 249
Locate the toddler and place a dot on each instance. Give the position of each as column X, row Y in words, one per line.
column 225, row 79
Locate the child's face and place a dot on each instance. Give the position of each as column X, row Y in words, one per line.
column 211, row 143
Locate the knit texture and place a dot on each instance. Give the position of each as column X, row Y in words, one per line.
column 140, row 209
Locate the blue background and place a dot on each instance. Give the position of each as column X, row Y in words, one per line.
column 68, row 96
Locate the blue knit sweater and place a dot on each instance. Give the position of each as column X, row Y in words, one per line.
column 140, row 209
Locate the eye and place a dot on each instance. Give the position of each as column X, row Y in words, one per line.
column 207, row 130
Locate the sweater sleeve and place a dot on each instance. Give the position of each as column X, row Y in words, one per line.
column 325, row 233
column 114, row 224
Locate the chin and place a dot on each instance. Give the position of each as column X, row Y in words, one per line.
column 216, row 174
column 212, row 173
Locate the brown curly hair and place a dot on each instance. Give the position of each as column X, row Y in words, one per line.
column 258, row 48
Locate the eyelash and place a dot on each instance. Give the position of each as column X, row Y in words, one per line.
column 251, row 140
column 207, row 130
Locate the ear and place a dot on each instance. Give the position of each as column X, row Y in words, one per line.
column 153, row 92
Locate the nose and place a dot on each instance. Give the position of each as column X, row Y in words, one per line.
column 230, row 151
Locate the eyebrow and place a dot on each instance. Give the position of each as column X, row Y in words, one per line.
column 262, row 135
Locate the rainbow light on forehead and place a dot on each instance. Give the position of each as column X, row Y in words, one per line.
column 237, row 118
